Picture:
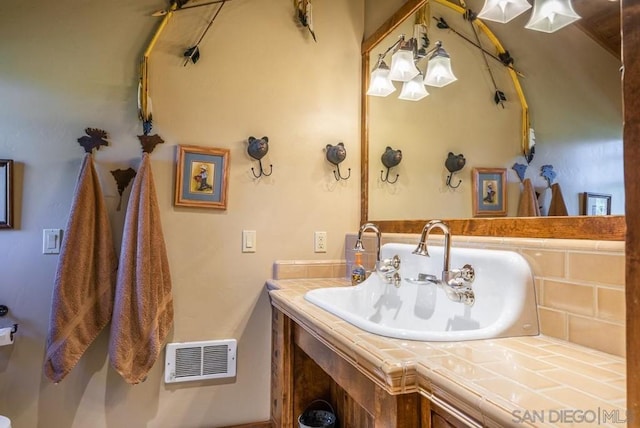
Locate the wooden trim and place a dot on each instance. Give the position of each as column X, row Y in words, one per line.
column 391, row 24
column 364, row 138
column 606, row 228
column 282, row 414
column 631, row 134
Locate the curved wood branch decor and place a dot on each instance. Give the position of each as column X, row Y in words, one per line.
column 525, row 123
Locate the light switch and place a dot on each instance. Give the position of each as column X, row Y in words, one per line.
column 248, row 241
column 51, row 241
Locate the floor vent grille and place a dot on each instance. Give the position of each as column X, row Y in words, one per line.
column 189, row 361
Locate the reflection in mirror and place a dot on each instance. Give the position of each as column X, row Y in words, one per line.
column 572, row 86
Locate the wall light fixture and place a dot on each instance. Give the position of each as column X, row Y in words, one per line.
column 547, row 16
column 404, row 68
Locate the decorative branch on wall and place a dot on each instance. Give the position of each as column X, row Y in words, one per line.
column 335, row 155
column 123, row 177
column 257, row 148
column 94, row 139
column 193, row 53
column 390, row 158
column 304, row 15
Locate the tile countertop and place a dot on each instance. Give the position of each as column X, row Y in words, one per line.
column 519, row 381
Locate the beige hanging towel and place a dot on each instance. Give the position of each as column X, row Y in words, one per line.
column 84, row 284
column 143, row 308
column 557, row 206
column 528, row 206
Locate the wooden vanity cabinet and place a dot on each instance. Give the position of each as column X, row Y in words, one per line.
column 304, row 369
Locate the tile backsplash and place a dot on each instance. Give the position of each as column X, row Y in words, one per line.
column 579, row 283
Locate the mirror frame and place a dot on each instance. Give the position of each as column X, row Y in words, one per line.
column 605, row 228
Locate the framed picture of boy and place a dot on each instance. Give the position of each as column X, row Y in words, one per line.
column 489, row 192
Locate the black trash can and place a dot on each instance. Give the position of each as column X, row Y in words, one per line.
column 318, row 414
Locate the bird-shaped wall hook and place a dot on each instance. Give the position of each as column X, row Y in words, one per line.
column 123, row 177
column 149, row 142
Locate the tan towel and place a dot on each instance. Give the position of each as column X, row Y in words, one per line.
column 557, row 206
column 85, row 278
column 143, row 309
column 528, row 206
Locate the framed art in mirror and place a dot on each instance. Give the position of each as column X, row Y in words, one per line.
column 202, row 176
column 6, row 194
column 596, row 204
column 489, row 191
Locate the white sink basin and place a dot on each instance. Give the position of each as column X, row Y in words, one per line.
column 505, row 303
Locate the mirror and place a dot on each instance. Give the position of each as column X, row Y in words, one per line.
column 489, row 135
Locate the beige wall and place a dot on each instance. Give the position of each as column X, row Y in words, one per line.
column 67, row 65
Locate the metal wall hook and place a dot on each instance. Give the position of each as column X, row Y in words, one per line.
column 262, row 171
column 449, row 177
column 335, row 155
column 339, row 176
column 257, row 148
column 385, row 179
column 390, row 158
column 454, row 163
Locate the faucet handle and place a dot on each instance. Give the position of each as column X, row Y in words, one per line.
column 459, row 278
column 468, row 273
column 388, row 266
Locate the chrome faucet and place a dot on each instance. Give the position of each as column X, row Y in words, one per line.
column 455, row 282
column 387, row 268
column 364, row 228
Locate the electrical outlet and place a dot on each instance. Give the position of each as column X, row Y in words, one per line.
column 320, row 242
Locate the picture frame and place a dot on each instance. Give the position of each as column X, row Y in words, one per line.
column 6, row 194
column 596, row 204
column 202, row 177
column 489, row 192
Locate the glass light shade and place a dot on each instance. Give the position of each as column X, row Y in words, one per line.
column 503, row 10
column 439, row 71
column 403, row 68
column 380, row 85
column 551, row 15
column 414, row 89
